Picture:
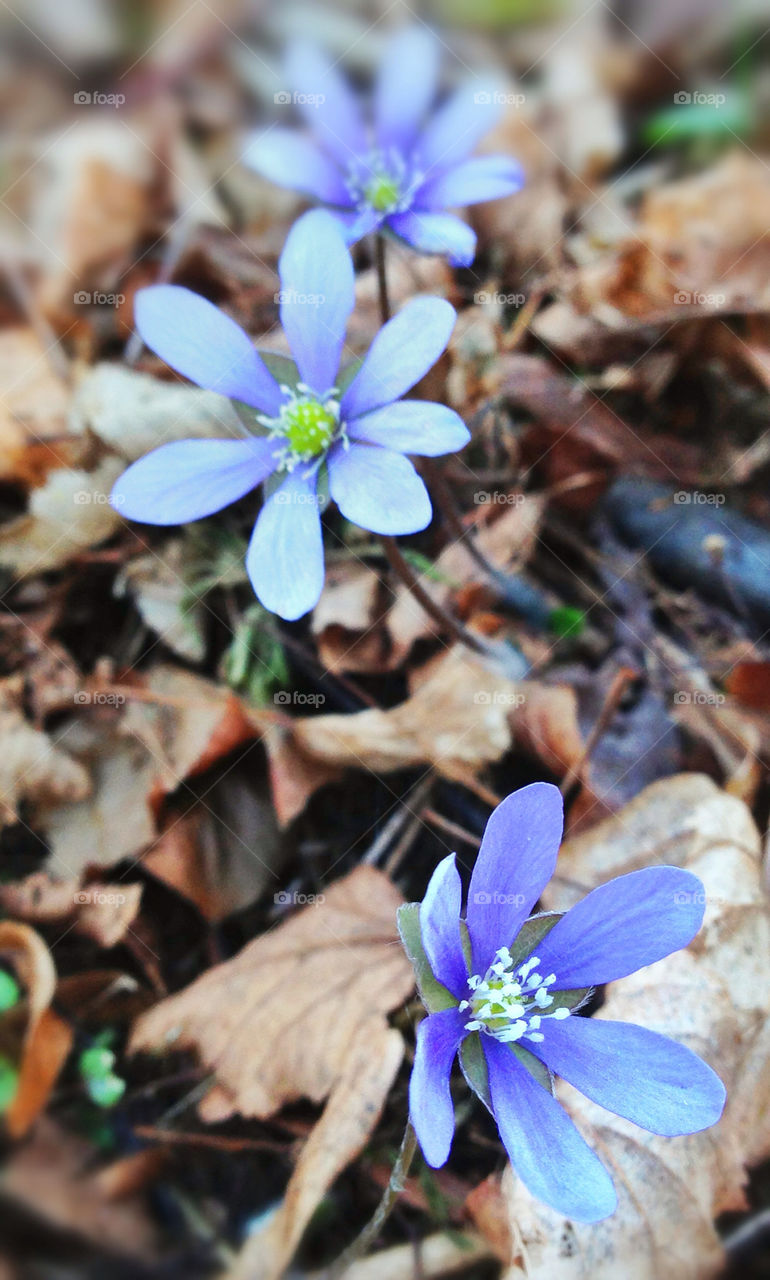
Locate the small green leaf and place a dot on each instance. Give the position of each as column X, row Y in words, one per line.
column 9, row 1083
column 283, row 369
column 96, row 1062
column 346, row 375
column 105, row 1091
column 566, row 622
column 10, row 991
column 434, row 996
column 474, row 1067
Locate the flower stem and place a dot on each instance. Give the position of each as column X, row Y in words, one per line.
column 390, row 1195
column 441, row 616
column 382, row 277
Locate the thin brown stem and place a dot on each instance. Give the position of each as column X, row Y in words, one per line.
column 441, row 616
column 382, row 277
column 374, row 1226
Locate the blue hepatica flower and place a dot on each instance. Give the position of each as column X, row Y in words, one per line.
column 505, row 990
column 354, row 430
column 406, row 172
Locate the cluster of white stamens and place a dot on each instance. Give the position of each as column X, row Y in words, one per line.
column 383, row 182
column 306, row 425
column 509, row 1003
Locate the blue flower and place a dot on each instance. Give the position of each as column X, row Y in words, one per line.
column 358, row 436
column 407, row 172
column 505, row 990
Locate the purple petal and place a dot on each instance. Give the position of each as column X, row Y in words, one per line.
column 638, row 1074
column 326, row 102
column 455, row 129
column 190, row 479
column 430, row 1101
column 515, row 862
column 406, row 86
column 359, row 223
column 413, row 426
column 402, row 353
column 378, row 490
column 553, row 1161
column 442, row 233
column 285, row 560
column 440, row 927
column 630, row 922
column 199, row 341
column 317, row 296
column 485, row 178
column 293, row 160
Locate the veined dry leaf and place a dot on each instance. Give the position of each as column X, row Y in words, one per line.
column 353, row 1109
column 48, row 1038
column 276, row 1022
column 711, row 997
column 33, row 767
column 349, row 633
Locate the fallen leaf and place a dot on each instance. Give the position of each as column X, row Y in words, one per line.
column 99, row 911
column 710, row 997
column 53, row 1175
column 33, row 767
column 354, row 1107
column 167, row 606
column 47, row 1038
column 341, row 960
column 33, row 408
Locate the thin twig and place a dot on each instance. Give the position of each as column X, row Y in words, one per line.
column 375, row 1224
column 443, row 619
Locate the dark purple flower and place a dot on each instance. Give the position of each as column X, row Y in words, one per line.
column 357, row 434
column 504, row 990
column 407, row 171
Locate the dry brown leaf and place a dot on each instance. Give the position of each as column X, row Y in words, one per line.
column 53, row 1175
column 347, row 620
column 48, row 1039
column 102, row 912
column 294, row 775
column 136, row 756
column 33, row 408
column 457, row 720
column 33, row 768
column 507, row 542
column 276, row 1022
column 354, row 1107
column 709, row 997
column 439, row 1255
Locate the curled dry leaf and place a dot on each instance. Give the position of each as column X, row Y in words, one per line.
column 33, row 768
column 102, row 912
column 33, row 408
column 344, row 968
column 48, row 1038
column 709, row 997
